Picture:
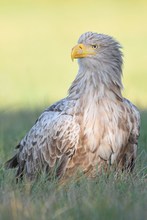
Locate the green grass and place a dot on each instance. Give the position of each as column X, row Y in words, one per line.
column 122, row 197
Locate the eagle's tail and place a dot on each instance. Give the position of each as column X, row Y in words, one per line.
column 12, row 163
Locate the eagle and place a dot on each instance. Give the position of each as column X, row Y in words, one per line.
column 90, row 130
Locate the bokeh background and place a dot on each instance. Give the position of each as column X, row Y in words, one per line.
column 36, row 37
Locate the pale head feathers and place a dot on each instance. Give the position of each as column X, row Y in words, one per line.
column 104, row 69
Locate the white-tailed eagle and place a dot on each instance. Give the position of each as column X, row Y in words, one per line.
column 94, row 127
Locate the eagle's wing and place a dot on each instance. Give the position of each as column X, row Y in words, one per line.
column 130, row 126
column 50, row 142
column 131, row 149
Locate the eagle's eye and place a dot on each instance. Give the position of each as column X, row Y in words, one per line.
column 94, row 46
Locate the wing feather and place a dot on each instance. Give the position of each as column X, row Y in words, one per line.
column 131, row 128
column 51, row 141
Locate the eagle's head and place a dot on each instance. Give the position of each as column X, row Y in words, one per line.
column 100, row 54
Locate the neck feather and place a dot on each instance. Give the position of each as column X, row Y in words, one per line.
column 96, row 85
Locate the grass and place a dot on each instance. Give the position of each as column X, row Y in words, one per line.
column 35, row 68
column 122, row 197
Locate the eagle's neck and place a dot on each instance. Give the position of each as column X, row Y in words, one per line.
column 95, row 99
column 91, row 86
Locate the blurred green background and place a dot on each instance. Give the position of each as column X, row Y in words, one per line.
column 36, row 38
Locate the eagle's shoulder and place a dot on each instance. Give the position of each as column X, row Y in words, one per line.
column 65, row 105
column 134, row 110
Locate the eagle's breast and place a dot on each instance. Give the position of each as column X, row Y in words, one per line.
column 104, row 132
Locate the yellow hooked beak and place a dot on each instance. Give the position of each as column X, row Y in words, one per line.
column 81, row 51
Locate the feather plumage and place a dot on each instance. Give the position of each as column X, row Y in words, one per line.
column 94, row 126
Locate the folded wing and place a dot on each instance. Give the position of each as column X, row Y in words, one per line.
column 49, row 144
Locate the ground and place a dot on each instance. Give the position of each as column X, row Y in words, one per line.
column 106, row 197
